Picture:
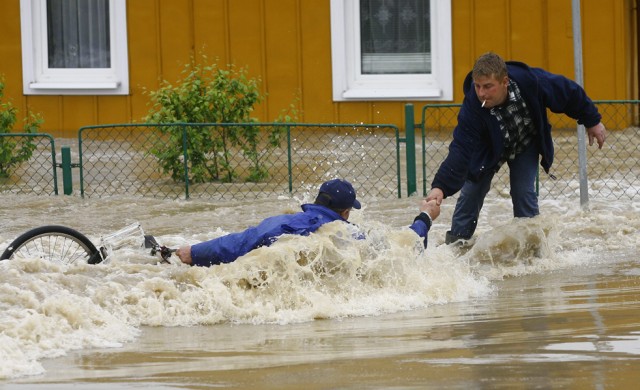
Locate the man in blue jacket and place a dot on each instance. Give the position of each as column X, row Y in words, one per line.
column 503, row 119
column 334, row 202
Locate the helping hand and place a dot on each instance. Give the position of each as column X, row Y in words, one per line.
column 437, row 195
column 430, row 207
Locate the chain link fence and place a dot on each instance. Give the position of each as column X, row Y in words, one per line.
column 28, row 164
column 613, row 171
column 283, row 159
column 124, row 159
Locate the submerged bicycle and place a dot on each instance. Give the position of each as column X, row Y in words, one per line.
column 63, row 244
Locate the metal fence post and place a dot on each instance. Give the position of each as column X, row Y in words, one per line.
column 67, row 178
column 582, row 143
column 410, row 141
column 289, row 160
column 185, row 154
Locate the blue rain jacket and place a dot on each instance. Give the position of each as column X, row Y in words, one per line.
column 478, row 142
column 228, row 248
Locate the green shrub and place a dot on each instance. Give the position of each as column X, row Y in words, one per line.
column 209, row 94
column 15, row 150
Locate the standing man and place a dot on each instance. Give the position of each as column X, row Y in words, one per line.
column 503, row 119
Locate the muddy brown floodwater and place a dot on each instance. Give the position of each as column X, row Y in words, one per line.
column 550, row 302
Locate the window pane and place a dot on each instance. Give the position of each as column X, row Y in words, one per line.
column 395, row 36
column 78, row 34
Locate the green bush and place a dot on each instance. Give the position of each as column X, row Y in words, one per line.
column 15, row 150
column 209, row 94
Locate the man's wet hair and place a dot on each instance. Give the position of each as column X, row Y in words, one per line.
column 489, row 64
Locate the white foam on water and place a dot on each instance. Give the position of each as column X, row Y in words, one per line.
column 564, row 237
column 50, row 309
column 46, row 312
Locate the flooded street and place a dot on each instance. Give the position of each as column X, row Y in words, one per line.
column 551, row 302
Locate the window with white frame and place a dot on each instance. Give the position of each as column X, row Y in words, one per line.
column 391, row 50
column 74, row 47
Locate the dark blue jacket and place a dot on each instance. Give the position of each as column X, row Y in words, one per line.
column 228, row 248
column 478, row 142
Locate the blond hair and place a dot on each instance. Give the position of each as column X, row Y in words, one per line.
column 489, row 64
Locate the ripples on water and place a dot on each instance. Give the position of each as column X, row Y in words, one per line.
column 50, row 309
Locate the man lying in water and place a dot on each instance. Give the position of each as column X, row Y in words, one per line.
column 334, row 202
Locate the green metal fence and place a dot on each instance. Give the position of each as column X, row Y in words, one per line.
column 613, row 172
column 128, row 159
column 36, row 175
column 123, row 159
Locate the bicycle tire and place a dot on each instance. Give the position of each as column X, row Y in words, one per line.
column 55, row 243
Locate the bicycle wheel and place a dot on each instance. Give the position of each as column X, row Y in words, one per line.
column 55, row 243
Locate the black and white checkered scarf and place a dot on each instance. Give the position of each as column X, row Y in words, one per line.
column 515, row 122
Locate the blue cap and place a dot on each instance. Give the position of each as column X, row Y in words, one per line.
column 342, row 194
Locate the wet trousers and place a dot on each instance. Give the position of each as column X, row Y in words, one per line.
column 523, row 170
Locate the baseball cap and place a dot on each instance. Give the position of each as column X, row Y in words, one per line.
column 342, row 194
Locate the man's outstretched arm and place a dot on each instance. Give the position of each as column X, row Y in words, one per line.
column 429, row 211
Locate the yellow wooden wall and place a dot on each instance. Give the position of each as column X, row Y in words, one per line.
column 286, row 43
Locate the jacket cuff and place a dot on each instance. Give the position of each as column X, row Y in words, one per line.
column 424, row 217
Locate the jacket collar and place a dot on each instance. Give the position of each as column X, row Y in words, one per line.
column 322, row 210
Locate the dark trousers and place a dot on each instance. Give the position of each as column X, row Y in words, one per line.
column 522, row 174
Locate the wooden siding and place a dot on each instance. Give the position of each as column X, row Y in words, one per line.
column 286, row 43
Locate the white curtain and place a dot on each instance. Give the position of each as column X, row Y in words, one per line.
column 395, row 36
column 78, row 33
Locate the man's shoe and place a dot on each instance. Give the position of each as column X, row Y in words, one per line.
column 460, row 245
column 451, row 238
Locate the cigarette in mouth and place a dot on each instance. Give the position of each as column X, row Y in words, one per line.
column 483, row 102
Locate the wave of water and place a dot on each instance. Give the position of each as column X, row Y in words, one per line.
column 49, row 309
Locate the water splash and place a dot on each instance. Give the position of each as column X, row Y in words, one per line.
column 50, row 309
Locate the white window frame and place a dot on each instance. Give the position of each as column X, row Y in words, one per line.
column 39, row 79
column 349, row 84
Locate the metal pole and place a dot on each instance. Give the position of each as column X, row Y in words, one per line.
column 67, row 178
column 185, row 155
column 289, row 160
column 582, row 143
column 410, row 141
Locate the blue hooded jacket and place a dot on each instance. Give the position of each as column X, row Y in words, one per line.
column 228, row 248
column 478, row 142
